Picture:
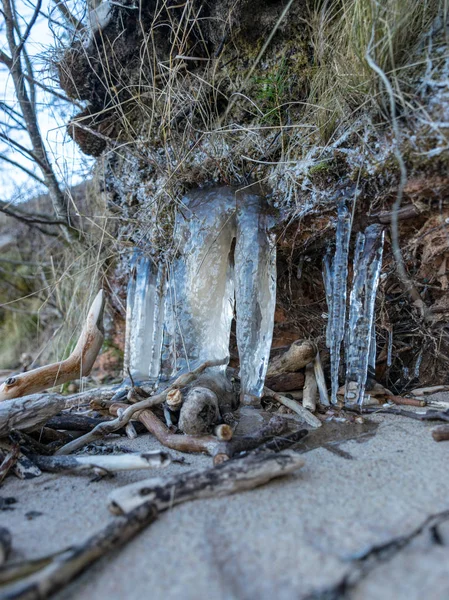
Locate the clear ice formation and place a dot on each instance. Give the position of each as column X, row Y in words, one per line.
column 226, row 261
column 144, row 319
column 361, row 341
column 335, row 278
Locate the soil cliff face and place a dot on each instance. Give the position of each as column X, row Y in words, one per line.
column 321, row 103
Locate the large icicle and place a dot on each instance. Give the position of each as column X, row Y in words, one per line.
column 360, row 350
column 200, row 300
column 337, row 307
column 144, row 319
column 255, row 288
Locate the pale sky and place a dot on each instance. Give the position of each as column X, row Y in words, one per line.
column 70, row 165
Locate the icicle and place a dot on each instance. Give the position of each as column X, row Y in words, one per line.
column 255, row 290
column 367, row 265
column 337, row 307
column 327, row 279
column 390, row 348
column 144, row 319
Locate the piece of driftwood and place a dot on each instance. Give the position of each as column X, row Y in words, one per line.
column 298, row 355
column 310, row 392
column 428, row 415
column 244, row 443
column 285, row 382
column 440, row 433
column 227, row 478
column 104, row 428
column 8, row 460
column 202, row 444
column 199, row 412
column 305, row 414
column 406, row 401
column 25, row 414
column 47, row 575
column 321, row 381
column 174, row 399
column 137, row 508
column 23, row 467
column 5, row 544
column 430, row 390
column 78, row 364
column 107, row 463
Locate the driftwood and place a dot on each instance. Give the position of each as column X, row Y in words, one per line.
column 52, row 573
column 23, row 467
column 321, row 381
column 111, row 426
column 441, row 433
column 31, row 412
column 140, row 504
column 305, row 414
column 310, row 389
column 199, row 412
column 226, row 450
column 227, row 478
column 109, row 463
column 202, row 444
column 78, row 364
column 285, row 382
column 299, row 354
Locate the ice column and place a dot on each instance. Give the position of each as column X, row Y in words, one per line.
column 360, row 343
column 255, row 288
column 144, row 319
column 335, row 278
column 226, row 251
column 200, row 299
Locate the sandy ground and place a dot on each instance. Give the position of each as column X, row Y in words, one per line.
column 295, row 538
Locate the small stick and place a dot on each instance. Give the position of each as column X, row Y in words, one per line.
column 111, row 426
column 110, row 463
column 305, row 414
column 406, row 401
column 321, row 381
column 441, row 433
column 430, row 390
column 310, row 391
column 205, row 444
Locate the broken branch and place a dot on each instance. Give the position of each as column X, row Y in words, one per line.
column 78, row 364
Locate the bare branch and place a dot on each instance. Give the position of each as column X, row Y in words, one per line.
column 22, row 168
column 28, row 218
column 28, row 30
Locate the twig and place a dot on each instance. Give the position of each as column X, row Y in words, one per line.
column 8, row 462
column 305, row 414
column 109, row 463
